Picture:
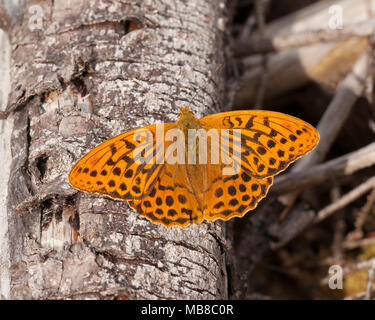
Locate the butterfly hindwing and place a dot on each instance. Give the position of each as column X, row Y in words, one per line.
column 233, row 196
column 172, row 200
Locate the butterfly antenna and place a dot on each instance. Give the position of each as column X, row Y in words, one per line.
column 205, row 83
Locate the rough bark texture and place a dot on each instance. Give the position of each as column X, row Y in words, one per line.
column 73, row 87
column 5, row 159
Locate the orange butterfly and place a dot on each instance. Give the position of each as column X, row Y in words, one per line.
column 160, row 172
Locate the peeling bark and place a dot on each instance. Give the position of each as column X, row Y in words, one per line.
column 92, row 70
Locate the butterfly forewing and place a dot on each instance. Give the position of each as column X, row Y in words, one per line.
column 270, row 141
column 115, row 168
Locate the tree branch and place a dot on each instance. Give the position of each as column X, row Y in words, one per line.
column 345, row 199
column 343, row 166
column 262, row 45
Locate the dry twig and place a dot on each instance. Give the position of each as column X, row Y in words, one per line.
column 339, row 229
column 353, row 244
column 357, row 233
column 261, row 44
column 331, row 170
column 345, row 199
column 260, row 8
column 370, row 280
column 333, row 119
column 338, row 111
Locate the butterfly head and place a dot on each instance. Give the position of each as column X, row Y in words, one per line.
column 187, row 120
column 185, row 112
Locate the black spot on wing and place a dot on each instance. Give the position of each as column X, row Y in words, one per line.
column 169, row 201
column 116, row 171
column 250, row 123
column 239, row 120
column 227, row 122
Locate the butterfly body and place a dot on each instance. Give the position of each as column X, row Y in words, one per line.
column 185, row 180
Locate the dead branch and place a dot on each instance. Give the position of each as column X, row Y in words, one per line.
column 338, row 111
column 370, row 280
column 316, row 15
column 345, row 199
column 328, row 171
column 260, row 7
column 353, row 244
column 333, row 119
column 356, row 296
column 257, row 44
column 339, row 230
column 361, row 217
column 323, row 62
column 300, row 217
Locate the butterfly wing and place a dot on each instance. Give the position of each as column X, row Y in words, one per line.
column 269, row 141
column 266, row 143
column 172, row 201
column 123, row 167
column 234, row 195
